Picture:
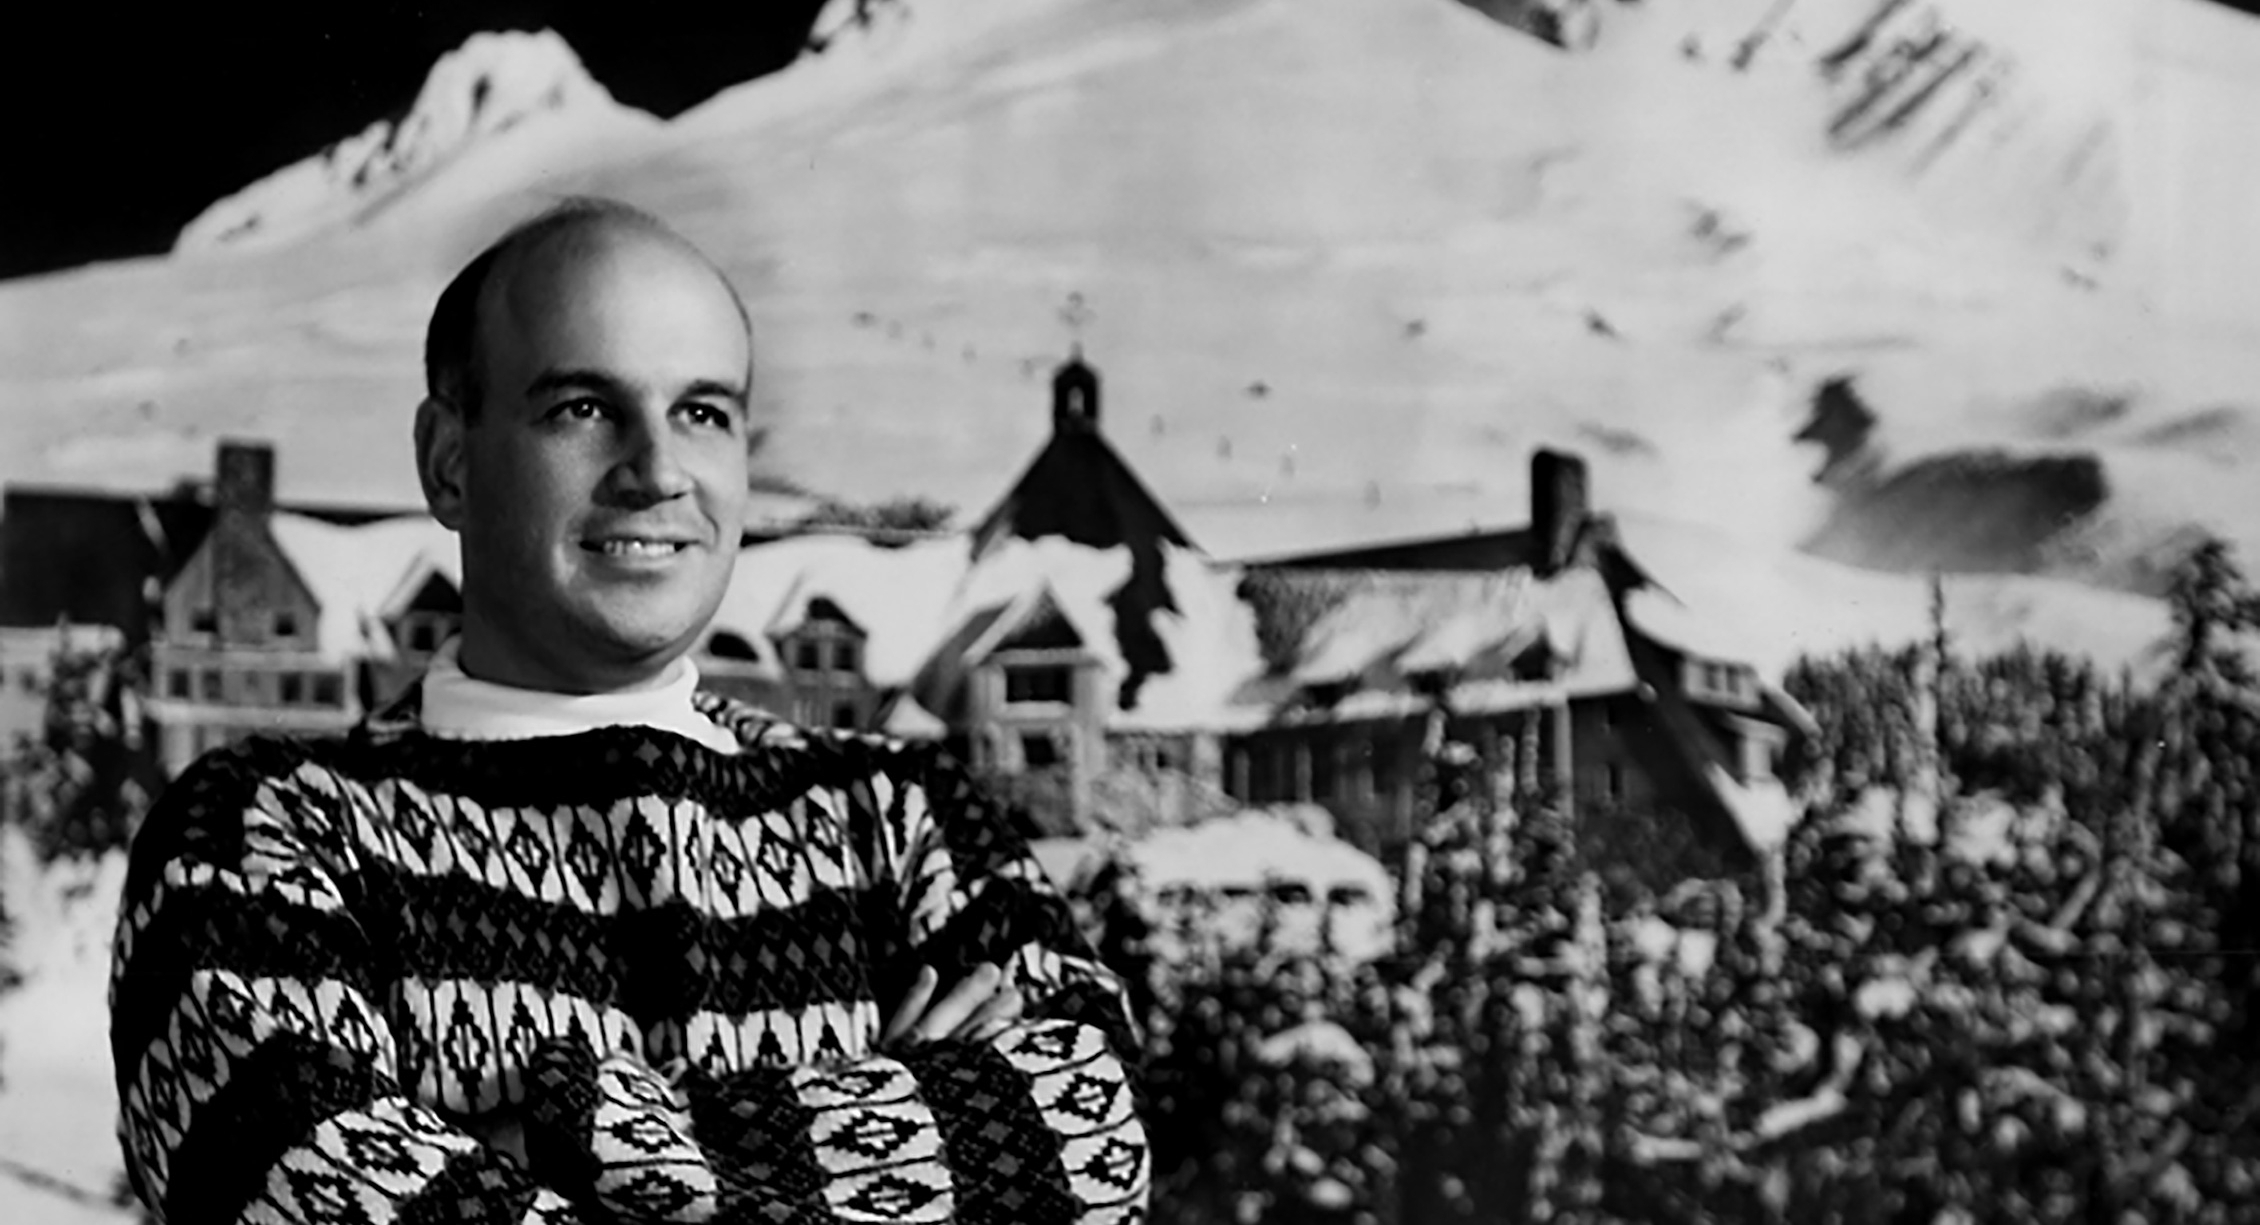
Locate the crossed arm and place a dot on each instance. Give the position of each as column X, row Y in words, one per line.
column 259, row 1081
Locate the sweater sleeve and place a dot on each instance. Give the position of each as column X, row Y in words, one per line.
column 257, row 1078
column 1057, row 1096
column 971, row 892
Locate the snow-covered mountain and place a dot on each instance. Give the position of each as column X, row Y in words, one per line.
column 1347, row 262
column 529, row 85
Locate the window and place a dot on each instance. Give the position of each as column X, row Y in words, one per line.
column 204, row 621
column 326, row 690
column 211, row 680
column 843, row 715
column 1046, row 683
column 423, row 636
column 293, row 688
column 808, row 655
column 1385, row 780
column 286, row 624
column 1357, row 764
column 176, row 683
column 1240, row 773
column 1038, row 751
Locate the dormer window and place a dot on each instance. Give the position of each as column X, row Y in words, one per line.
column 845, row 658
column 1710, row 680
column 808, row 655
column 1029, row 684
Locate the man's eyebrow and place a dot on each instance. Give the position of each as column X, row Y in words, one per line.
column 563, row 380
column 715, row 389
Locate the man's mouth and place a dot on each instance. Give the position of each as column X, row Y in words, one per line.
column 635, row 546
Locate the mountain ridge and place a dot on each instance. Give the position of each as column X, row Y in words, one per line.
column 493, row 84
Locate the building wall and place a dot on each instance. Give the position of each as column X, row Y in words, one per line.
column 206, row 697
column 1002, row 732
column 1605, row 768
column 1368, row 774
column 825, row 683
column 237, row 650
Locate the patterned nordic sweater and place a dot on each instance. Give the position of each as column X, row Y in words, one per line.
column 344, row 965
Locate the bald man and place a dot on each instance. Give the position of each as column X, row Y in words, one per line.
column 558, row 936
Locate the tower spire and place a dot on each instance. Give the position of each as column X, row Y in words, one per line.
column 1075, row 386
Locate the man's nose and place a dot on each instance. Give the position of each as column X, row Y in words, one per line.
column 651, row 469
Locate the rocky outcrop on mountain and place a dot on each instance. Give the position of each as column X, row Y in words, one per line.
column 495, row 83
column 1571, row 24
column 1913, row 81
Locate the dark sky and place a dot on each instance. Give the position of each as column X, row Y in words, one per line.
column 119, row 123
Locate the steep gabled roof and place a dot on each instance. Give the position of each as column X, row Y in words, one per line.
column 356, row 573
column 805, row 602
column 1078, row 487
column 1034, row 620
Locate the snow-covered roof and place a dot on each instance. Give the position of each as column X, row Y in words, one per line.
column 1763, row 810
column 1210, row 637
column 910, row 721
column 357, row 574
column 897, row 596
column 1388, row 626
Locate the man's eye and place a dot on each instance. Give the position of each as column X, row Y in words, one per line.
column 579, row 410
column 709, row 415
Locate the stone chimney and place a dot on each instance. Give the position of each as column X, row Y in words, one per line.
column 243, row 496
column 1075, row 397
column 1559, row 506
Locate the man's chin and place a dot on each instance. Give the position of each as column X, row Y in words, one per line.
column 646, row 643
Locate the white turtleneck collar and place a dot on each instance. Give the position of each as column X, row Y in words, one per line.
column 459, row 706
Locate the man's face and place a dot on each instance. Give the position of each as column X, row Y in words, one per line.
column 603, row 481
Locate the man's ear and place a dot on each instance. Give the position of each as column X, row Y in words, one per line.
column 439, row 459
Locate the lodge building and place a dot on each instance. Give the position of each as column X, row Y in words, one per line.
column 1075, row 632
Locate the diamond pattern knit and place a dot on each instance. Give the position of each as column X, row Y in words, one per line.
column 348, row 969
